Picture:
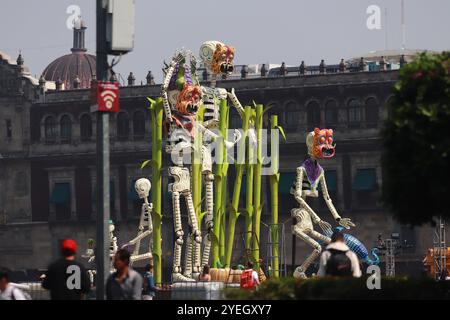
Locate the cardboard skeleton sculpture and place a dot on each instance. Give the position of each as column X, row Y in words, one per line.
column 182, row 96
column 145, row 228
column 320, row 146
column 218, row 60
column 113, row 247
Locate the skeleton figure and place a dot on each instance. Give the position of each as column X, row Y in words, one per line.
column 309, row 175
column 182, row 98
column 90, row 254
column 218, row 60
column 145, row 229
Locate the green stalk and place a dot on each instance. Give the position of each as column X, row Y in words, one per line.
column 224, row 113
column 240, row 166
column 249, row 195
column 274, row 182
column 197, row 169
column 221, row 168
column 257, row 186
column 156, row 108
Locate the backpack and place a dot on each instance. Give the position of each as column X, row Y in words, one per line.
column 247, row 279
column 338, row 264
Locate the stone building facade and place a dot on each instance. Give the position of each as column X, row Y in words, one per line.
column 47, row 160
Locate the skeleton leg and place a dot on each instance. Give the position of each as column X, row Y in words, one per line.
column 196, row 235
column 303, row 234
column 319, row 236
column 188, row 256
column 209, row 179
column 176, row 272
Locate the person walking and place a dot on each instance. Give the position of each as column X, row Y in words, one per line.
column 125, row 283
column 149, row 289
column 7, row 290
column 337, row 260
column 66, row 278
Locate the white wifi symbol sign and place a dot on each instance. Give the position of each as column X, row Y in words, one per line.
column 108, row 97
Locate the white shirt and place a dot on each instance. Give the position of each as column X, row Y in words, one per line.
column 356, row 270
column 8, row 293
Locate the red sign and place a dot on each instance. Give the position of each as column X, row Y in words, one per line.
column 105, row 96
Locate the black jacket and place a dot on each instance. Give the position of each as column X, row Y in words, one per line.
column 66, row 280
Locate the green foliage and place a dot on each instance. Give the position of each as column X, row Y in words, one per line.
column 344, row 288
column 417, row 141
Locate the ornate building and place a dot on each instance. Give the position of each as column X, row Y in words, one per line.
column 47, row 153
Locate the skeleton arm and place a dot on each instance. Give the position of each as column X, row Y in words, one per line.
column 328, row 201
column 298, row 196
column 345, row 222
column 236, row 103
column 168, row 76
column 147, row 207
column 209, row 134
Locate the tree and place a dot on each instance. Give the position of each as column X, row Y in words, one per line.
column 416, row 183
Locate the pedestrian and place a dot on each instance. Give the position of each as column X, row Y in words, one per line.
column 337, row 260
column 249, row 277
column 125, row 283
column 67, row 278
column 205, row 276
column 149, row 289
column 7, row 290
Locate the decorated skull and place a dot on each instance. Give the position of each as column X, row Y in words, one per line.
column 217, row 57
column 143, row 187
column 189, row 99
column 320, row 143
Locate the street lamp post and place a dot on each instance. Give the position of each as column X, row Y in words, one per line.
column 103, row 204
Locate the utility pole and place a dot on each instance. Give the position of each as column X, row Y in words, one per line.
column 102, row 257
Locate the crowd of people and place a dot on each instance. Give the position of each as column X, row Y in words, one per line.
column 67, row 279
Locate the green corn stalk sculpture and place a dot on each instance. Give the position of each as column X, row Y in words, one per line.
column 249, row 209
column 156, row 109
column 224, row 113
column 220, row 175
column 274, row 181
column 240, row 167
column 257, row 185
column 197, row 169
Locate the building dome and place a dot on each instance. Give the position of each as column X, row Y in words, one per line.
column 79, row 65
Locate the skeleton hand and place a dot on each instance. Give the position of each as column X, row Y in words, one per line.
column 177, row 58
column 346, row 223
column 325, row 226
column 236, row 137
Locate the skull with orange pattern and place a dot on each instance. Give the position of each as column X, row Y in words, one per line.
column 320, row 143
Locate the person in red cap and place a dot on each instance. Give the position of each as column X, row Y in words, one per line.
column 66, row 278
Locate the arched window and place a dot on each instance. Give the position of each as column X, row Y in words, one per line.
column 292, row 115
column 66, row 129
column 355, row 113
column 139, row 124
column 86, row 127
column 331, row 113
column 372, row 112
column 50, row 129
column 123, row 125
column 313, row 115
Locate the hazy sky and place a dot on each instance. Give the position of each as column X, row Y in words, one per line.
column 261, row 30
